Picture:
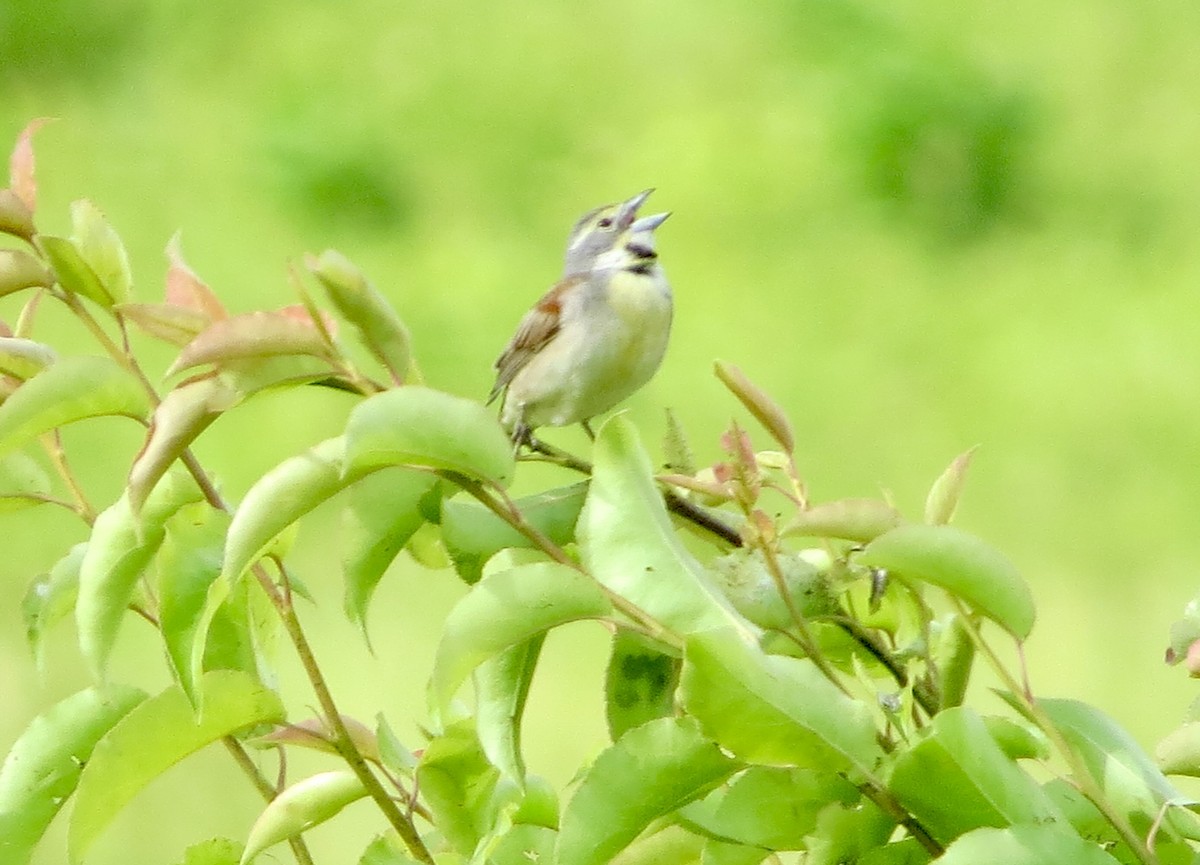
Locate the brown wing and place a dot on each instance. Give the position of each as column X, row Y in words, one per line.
column 536, row 329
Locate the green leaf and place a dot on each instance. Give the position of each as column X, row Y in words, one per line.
column 72, row 271
column 524, row 844
column 382, row 514
column 957, row 779
column 1024, row 845
column 43, row 765
column 378, row 325
column 20, row 270
column 279, row 498
column 501, row 688
column 301, row 806
column 640, row 683
column 859, row 520
column 214, row 851
column 649, row 773
column 176, row 325
column 848, row 834
column 765, row 410
column 23, row 482
column 72, row 389
column 252, row 335
column 1179, row 752
column 629, row 545
column 120, row 548
column 386, row 850
column 154, row 737
column 670, row 845
column 184, row 413
column 942, row 501
column 51, row 598
column 473, row 534
column 963, row 565
column 458, row 784
column 721, row 853
column 953, row 657
column 773, row 709
column 419, row 426
column 24, row 358
column 503, row 610
column 101, row 248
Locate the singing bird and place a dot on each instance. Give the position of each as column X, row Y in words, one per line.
column 595, row 337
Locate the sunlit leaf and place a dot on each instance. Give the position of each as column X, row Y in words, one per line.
column 214, row 851
column 506, row 609
column 316, row 734
column 386, row 850
column 154, row 737
column 188, row 291
column 849, row 834
column 669, row 845
column 279, row 498
column 501, row 688
column 266, row 373
column 24, row 358
column 525, row 844
column 20, row 270
column 43, row 765
column 765, row 410
column 953, row 657
column 1179, row 752
column 72, row 389
column 472, row 534
column 957, row 778
column 858, row 520
column 251, row 335
column 649, row 773
column 101, row 248
column 458, row 785
column 773, row 709
column 21, row 164
column 380, row 328
column 420, row 426
column 630, row 546
column 381, row 515
column 301, row 806
column 51, row 598
column 942, row 501
column 963, row 565
column 1024, row 845
column 174, row 324
column 640, row 683
column 121, row 546
column 184, row 413
column 72, row 271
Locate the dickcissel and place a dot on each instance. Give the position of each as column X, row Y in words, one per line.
column 594, row 338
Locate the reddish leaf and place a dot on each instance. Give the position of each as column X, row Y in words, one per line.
column 187, row 290
column 253, row 335
column 177, row 325
column 20, row 165
column 300, row 313
column 765, row 410
column 15, row 218
column 183, row 414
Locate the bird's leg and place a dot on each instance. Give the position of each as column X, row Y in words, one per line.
column 587, row 428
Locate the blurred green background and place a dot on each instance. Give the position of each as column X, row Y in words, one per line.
column 920, row 226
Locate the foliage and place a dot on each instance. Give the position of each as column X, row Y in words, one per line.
column 786, row 675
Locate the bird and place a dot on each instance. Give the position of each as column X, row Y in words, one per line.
column 597, row 230
column 590, row 341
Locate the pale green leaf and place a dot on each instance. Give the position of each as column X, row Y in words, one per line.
column 1051, row 844
column 51, row 598
column 501, row 688
column 252, row 335
column 72, row 271
column 23, row 358
column 301, row 806
column 100, row 246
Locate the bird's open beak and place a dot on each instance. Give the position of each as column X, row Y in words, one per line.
column 649, row 223
column 628, row 212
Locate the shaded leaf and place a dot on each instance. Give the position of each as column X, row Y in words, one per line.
column 279, row 498
column 184, row 413
column 765, row 410
column 42, row 767
column 378, row 325
column 1024, row 845
column 15, row 217
column 72, row 389
column 154, row 737
column 506, row 609
column 650, row 772
column 458, row 784
column 173, row 324
column 251, row 335
column 301, row 806
column 640, row 683
column 963, row 565
column 381, row 515
column 20, row 270
column 101, row 248
column 264, row 373
column 669, row 845
column 953, row 657
column 23, row 482
column 419, row 426
column 524, row 844
column 120, row 548
column 957, row 779
column 501, row 688
column 315, row 734
column 51, row 598
column 186, row 290
column 773, row 709
column 629, row 545
column 24, row 358
column 942, row 501
column 72, row 271
column 848, row 834
column 858, row 520
column 472, row 534
column 386, row 850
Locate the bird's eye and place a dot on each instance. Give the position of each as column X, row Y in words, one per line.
column 606, row 222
